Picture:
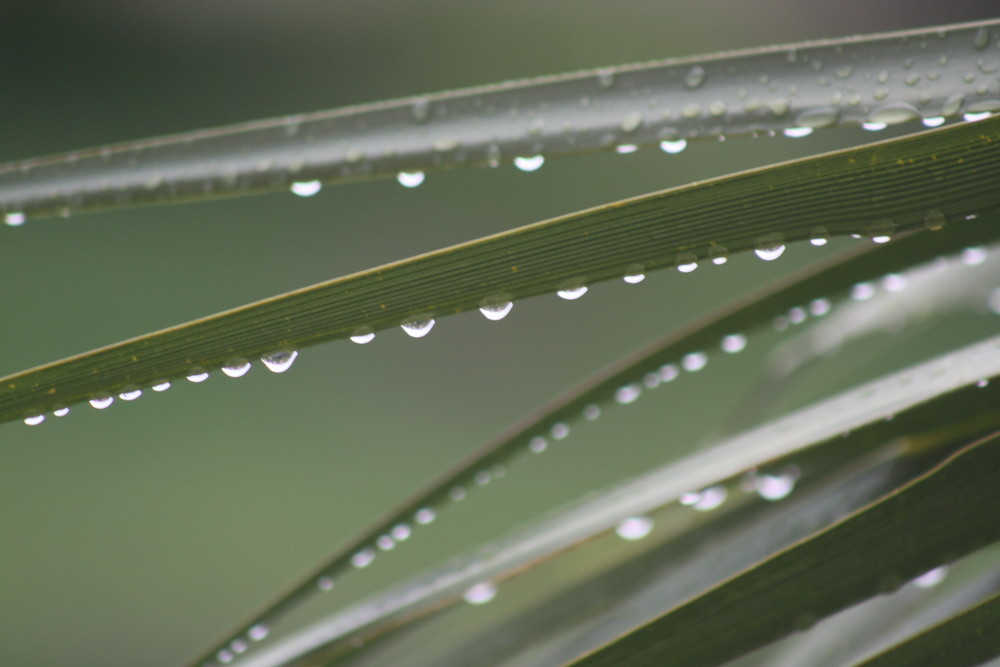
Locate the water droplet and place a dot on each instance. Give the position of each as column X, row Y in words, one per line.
column 532, row 163
column 324, row 584
column 819, row 117
column 634, row 528
column 385, row 543
column 651, row 380
column 495, row 307
column 162, row 385
column 695, row 77
column 363, row 558
column 779, row 107
column 931, row 578
column 279, row 361
column 34, row 420
column 420, row 110
column 632, row 122
column 606, row 78
column 625, row 149
column 775, row 487
column 982, row 383
column 418, row 328
column 935, row 220
column 770, row 247
column 687, row 263
column 130, row 393
column 236, row 367
column 628, row 394
column 559, row 431
column 706, row 500
column 15, row 219
column 197, row 375
column 572, row 293
column 981, row 39
column 410, row 179
column 538, row 444
column 894, row 282
column 873, row 127
column 976, row 115
column 694, row 361
column 239, row 646
column 844, row 72
column 797, row 132
column 482, row 478
column 480, row 593
column 734, row 343
column 401, row 532
column 61, row 411
column 424, row 516
column 102, row 401
column 593, row 411
column 225, row 656
column 819, row 236
column 669, row 372
column 952, row 105
column 718, row 255
column 894, row 113
column 306, row 188
column 974, row 256
column 457, row 493
column 258, row 632
column 797, row 315
column 862, row 291
column 634, row 274
column 673, row 147
column 363, row 335
column 820, row 307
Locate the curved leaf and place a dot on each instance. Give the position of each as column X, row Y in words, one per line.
column 878, row 190
column 881, row 79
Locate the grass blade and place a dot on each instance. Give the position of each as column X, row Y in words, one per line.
column 881, row 79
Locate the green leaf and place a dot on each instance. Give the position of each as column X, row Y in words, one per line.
column 796, row 87
column 880, row 190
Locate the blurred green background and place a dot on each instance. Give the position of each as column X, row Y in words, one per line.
column 135, row 535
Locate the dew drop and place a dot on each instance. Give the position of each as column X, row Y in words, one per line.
column 695, row 77
column 669, row 372
column 974, row 256
column 102, row 401
column 628, row 394
column 130, row 393
column 706, row 500
column 894, row 282
column 258, row 632
column 673, row 147
column 162, row 385
column 734, row 343
column 424, row 516
column 15, row 219
column 651, row 380
column 893, row 114
column 237, row 367
column 559, row 431
column 634, row 528
column 482, row 478
column 687, row 266
column 981, row 40
column 61, row 412
column 279, row 361
column 634, row 275
column 935, row 220
column 34, row 420
column 933, row 121
column 862, row 291
column 420, row 110
column 797, row 132
column 324, row 584
column 592, row 411
column 819, row 236
column 532, row 163
column 418, row 328
column 480, row 593
column 606, row 78
column 694, row 361
column 495, row 308
column 197, row 375
column 816, row 118
column 363, row 558
column 931, row 578
column 718, row 255
column 410, row 179
column 572, row 293
column 632, row 122
column 225, row 656
column 306, row 188
column 385, row 543
column 401, row 532
column 872, row 126
column 820, row 307
column 775, row 487
column 952, row 105
column 770, row 248
column 538, row 444
column 446, row 144
column 238, row 646
column 363, row 335
column 976, row 115
column 625, row 149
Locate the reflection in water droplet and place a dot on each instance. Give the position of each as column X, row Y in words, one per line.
column 418, row 328
column 734, row 343
column 483, row 478
column 385, row 543
column 894, row 282
column 935, row 220
column 538, row 444
column 239, row 646
column 102, row 401
column 493, row 156
column 774, row 487
column 634, row 528
column 197, row 375
column 280, row 361
column 862, row 291
column 673, row 147
column 820, row 307
column 933, row 121
column 894, row 113
column 625, row 149
column 237, row 367
column 628, row 394
column 61, row 412
column 669, row 372
column 559, row 431
column 592, row 411
column 770, row 247
column 457, row 493
column 306, row 188
column 973, row 116
column 225, row 656
column 572, row 293
column 424, row 516
column 687, row 267
column 931, row 578
column 532, row 163
column 162, row 385
column 651, row 380
column 410, row 179
column 495, row 308
column 363, row 335
column 694, row 361
column 480, row 593
column 634, row 275
column 706, row 500
column 34, row 420
column 873, row 127
column 797, row 132
column 797, row 315
column 819, row 236
column 130, row 393
column 324, row 584
column 258, row 632
column 401, row 532
column 363, row 558
column 974, row 256
column 15, row 219
column 695, row 77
